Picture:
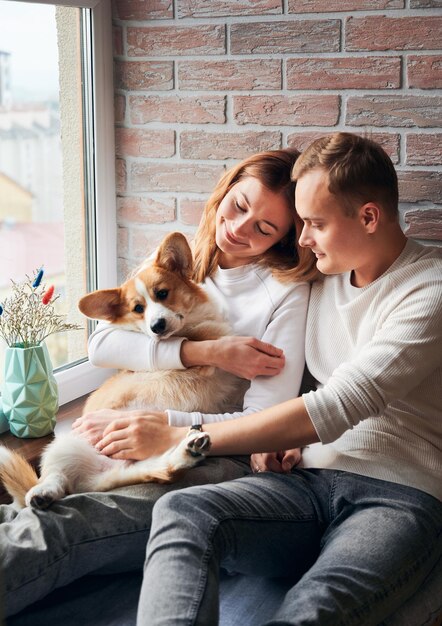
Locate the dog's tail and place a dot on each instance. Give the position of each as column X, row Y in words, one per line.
column 17, row 475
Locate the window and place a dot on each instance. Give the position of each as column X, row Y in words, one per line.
column 57, row 191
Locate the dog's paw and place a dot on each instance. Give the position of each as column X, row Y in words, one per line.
column 198, row 444
column 41, row 497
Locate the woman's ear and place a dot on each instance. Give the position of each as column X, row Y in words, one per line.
column 369, row 214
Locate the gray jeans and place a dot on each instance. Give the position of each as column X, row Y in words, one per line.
column 357, row 547
column 92, row 532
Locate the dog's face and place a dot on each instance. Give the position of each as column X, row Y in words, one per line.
column 158, row 300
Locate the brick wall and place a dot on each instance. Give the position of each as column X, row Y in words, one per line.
column 200, row 84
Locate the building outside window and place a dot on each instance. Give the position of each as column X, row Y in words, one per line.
column 57, row 195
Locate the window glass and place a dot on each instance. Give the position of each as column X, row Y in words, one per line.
column 43, row 137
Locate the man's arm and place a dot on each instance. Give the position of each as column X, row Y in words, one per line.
column 131, row 435
column 280, row 427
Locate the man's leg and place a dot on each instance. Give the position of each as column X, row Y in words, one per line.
column 94, row 532
column 382, row 541
column 266, row 524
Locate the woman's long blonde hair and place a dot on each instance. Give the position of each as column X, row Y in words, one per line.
column 287, row 260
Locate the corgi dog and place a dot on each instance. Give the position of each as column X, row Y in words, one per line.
column 160, row 300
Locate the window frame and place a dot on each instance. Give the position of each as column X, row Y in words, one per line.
column 81, row 378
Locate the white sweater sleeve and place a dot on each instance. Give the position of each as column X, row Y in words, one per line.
column 286, row 330
column 112, row 347
column 404, row 350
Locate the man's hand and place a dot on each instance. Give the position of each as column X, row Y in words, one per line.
column 279, row 462
column 246, row 357
column 92, row 425
column 134, row 435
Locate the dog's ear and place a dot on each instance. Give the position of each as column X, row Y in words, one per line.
column 105, row 304
column 174, row 255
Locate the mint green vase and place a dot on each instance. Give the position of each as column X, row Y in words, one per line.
column 29, row 391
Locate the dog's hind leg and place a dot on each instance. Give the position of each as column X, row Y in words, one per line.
column 69, row 465
column 48, row 490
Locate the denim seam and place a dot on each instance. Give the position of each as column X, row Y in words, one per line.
column 195, row 604
column 94, row 540
column 383, row 595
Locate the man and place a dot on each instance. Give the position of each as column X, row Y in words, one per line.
column 358, row 521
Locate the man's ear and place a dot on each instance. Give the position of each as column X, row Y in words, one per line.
column 369, row 214
column 104, row 304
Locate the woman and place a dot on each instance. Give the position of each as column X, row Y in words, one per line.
column 248, row 257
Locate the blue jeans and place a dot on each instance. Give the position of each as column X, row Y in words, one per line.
column 357, row 547
column 81, row 534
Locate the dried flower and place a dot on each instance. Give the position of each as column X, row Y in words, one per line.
column 38, row 278
column 48, row 295
column 28, row 316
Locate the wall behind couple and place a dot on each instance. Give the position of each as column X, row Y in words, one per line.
column 201, row 84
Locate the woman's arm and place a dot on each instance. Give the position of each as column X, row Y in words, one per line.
column 285, row 328
column 246, row 357
column 117, row 348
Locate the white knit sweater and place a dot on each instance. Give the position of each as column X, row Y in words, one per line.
column 377, row 354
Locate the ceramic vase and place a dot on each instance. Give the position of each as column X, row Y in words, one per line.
column 29, row 391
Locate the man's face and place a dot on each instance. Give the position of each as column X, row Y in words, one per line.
column 338, row 241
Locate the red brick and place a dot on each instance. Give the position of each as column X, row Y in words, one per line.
column 175, row 109
column 144, row 242
column 198, row 144
column 344, row 73
column 124, row 267
column 302, row 110
column 117, row 33
column 424, row 72
column 174, row 177
column 425, row 4
column 176, row 40
column 144, row 75
column 389, row 142
column 221, row 8
column 227, row 75
column 144, row 143
column 122, row 238
column 424, row 224
column 190, row 211
column 144, row 9
column 393, row 33
column 120, row 175
column 417, row 186
column 324, row 6
column 285, row 37
column 146, row 210
column 400, row 111
column 119, row 107
column 423, row 149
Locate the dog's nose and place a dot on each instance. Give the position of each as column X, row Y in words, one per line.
column 159, row 326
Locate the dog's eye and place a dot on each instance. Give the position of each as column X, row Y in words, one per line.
column 162, row 294
column 138, row 308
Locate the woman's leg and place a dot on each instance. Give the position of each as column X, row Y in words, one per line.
column 265, row 524
column 94, row 532
column 382, row 542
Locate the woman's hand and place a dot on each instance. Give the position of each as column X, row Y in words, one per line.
column 134, row 435
column 279, row 462
column 246, row 357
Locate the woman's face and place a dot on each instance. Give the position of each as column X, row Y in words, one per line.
column 250, row 220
